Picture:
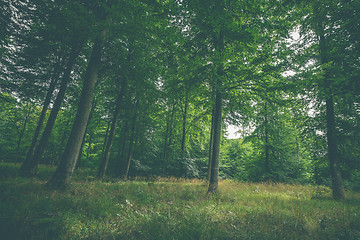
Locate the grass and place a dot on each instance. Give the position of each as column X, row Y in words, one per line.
column 171, row 209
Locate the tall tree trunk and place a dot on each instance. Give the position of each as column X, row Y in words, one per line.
column 166, row 137
column 88, row 150
column 211, row 145
column 171, row 126
column 61, row 145
column 337, row 185
column 215, row 157
column 43, row 113
column 21, row 135
column 106, row 137
column 131, row 142
column 105, row 160
column 121, row 154
column 183, row 139
column 29, row 168
column 297, row 150
column 166, row 147
column 78, row 162
column 267, row 157
column 219, row 49
column 61, row 177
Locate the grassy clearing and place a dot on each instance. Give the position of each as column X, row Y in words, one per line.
column 171, row 209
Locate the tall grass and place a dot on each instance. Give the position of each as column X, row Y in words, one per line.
column 171, row 209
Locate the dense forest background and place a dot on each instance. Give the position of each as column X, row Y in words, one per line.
column 149, row 88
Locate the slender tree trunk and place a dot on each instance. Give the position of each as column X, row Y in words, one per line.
column 131, row 142
column 43, row 113
column 29, row 168
column 88, row 150
column 211, row 145
column 166, row 137
column 121, row 154
column 165, row 154
column 61, row 145
column 105, row 160
column 183, row 139
column 169, row 129
column 21, row 135
column 61, row 177
column 337, row 185
column 78, row 162
column 106, row 137
column 219, row 49
column 267, row 157
column 214, row 176
column 171, row 126
column 297, row 150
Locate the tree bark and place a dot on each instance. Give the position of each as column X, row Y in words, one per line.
column 43, row 113
column 167, row 137
column 29, row 168
column 131, row 142
column 105, row 160
column 183, row 139
column 21, row 135
column 61, row 177
column 171, row 125
column 121, row 153
column 88, row 150
column 337, row 185
column 211, row 145
column 219, row 48
column 214, row 176
column 267, row 157
column 78, row 162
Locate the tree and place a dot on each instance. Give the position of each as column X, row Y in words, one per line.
column 110, row 136
column 63, row 173
column 29, row 167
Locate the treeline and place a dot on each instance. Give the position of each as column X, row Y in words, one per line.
column 149, row 87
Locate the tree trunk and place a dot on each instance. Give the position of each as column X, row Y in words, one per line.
column 43, row 113
column 267, row 157
column 78, row 162
column 211, row 145
column 183, row 139
column 105, row 160
column 215, row 157
column 219, row 48
column 167, row 133
column 61, row 177
column 121, row 154
column 21, row 135
column 131, row 142
column 29, row 168
column 88, row 150
column 171, row 125
column 337, row 185
column 297, row 150
column 166, row 138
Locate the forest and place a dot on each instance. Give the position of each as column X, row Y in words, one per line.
column 180, row 119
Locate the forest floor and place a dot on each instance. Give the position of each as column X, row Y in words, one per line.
column 170, row 209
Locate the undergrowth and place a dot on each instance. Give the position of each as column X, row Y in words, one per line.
column 170, row 209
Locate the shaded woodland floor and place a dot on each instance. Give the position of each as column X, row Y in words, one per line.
column 170, row 209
